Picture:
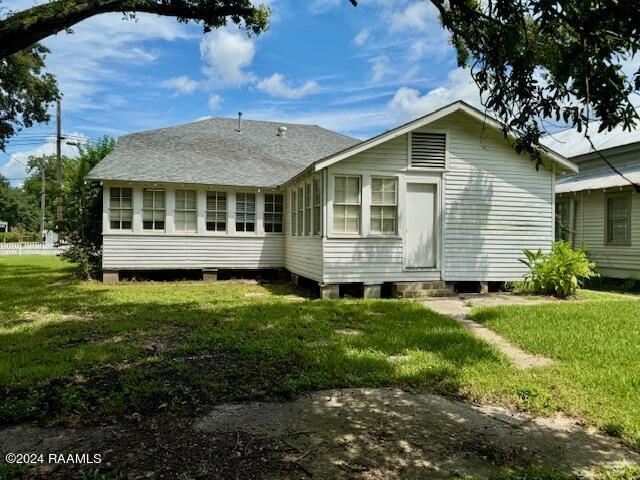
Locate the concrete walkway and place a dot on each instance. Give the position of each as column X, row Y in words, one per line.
column 460, row 307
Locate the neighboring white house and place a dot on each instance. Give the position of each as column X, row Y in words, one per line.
column 598, row 207
column 4, row 226
column 441, row 199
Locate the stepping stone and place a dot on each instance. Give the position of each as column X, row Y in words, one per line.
column 349, row 331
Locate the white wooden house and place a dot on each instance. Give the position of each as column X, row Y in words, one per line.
column 600, row 208
column 441, row 199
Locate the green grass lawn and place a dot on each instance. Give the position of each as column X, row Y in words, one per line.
column 68, row 348
column 596, row 345
column 83, row 349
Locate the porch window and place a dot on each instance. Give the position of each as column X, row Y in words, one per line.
column 217, row 211
column 294, row 212
column 619, row 219
column 384, row 205
column 317, row 207
column 307, row 209
column 346, row 204
column 120, row 208
column 273, row 209
column 245, row 212
column 153, row 209
column 186, row 211
column 300, row 210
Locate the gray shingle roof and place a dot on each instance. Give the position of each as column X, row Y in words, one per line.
column 213, row 152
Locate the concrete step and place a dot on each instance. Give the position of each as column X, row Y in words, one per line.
column 401, row 287
column 426, row 293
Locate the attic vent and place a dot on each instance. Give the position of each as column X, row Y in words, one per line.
column 428, row 150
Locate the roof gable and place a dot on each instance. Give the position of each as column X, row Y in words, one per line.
column 424, row 121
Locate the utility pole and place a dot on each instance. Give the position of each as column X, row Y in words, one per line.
column 58, row 161
column 43, row 181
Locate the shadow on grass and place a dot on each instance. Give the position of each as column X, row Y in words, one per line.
column 70, row 349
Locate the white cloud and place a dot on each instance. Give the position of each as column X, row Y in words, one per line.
column 322, row 6
column 418, row 16
column 276, row 86
column 91, row 60
column 362, row 37
column 408, row 104
column 380, row 68
column 16, row 165
column 214, row 102
column 182, row 84
column 227, row 54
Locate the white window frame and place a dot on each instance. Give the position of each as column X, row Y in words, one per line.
column 185, row 211
column 382, row 206
column 308, row 209
column 446, row 151
column 300, row 210
column 274, row 212
column 317, row 206
column 120, row 209
column 255, row 215
column 335, row 233
column 294, row 212
column 628, row 196
column 154, row 209
column 216, row 211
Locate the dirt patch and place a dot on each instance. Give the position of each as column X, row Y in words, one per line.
column 389, row 433
column 350, row 433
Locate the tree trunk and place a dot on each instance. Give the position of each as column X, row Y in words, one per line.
column 25, row 28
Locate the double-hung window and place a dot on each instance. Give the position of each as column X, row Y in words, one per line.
column 346, row 205
column 300, row 210
column 618, row 219
column 217, row 211
column 294, row 212
column 186, row 211
column 384, row 205
column 273, row 208
column 153, row 209
column 245, row 212
column 307, row 209
column 317, row 207
column 120, row 208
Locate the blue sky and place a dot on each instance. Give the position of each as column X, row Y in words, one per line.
column 358, row 71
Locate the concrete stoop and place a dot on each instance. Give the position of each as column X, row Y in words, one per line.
column 420, row 289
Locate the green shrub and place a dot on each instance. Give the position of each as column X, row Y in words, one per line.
column 15, row 237
column 559, row 272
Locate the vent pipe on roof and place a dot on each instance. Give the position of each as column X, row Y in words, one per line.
column 239, row 122
column 282, row 131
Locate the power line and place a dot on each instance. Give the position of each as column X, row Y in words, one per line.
column 95, row 123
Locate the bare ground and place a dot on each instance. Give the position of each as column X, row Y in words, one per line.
column 348, row 433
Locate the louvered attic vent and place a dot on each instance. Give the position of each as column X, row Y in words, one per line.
column 428, row 150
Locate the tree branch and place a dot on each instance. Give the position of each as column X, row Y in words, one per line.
column 25, row 28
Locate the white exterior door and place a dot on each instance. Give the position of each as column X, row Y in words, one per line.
column 420, row 226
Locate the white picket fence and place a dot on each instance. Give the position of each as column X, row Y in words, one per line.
column 31, row 248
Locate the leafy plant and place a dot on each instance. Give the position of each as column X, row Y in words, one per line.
column 559, row 272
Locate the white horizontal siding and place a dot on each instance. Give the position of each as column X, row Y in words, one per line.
column 621, row 261
column 496, row 204
column 186, row 252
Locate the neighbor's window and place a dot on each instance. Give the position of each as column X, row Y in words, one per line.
column 619, row 219
column 383, row 205
column 153, row 209
column 346, row 205
column 563, row 231
column 245, row 212
column 273, row 208
column 120, row 208
column 307, row 209
column 186, row 211
column 317, row 207
column 300, row 211
column 294, row 212
column 217, row 211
